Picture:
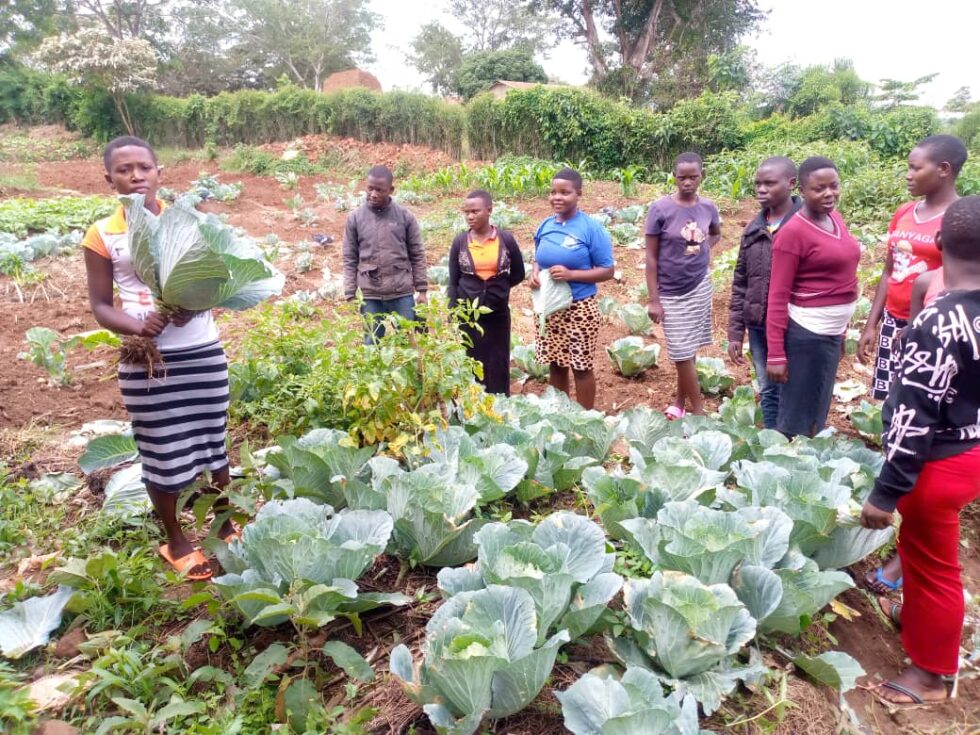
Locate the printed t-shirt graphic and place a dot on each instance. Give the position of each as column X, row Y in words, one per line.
column 912, row 244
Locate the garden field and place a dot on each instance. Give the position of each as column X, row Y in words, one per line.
column 712, row 558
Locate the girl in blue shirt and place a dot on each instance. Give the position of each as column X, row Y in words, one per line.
column 576, row 249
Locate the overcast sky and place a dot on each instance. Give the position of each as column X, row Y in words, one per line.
column 900, row 39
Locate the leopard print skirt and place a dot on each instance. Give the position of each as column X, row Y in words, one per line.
column 572, row 335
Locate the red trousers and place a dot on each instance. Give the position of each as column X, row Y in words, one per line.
column 928, row 545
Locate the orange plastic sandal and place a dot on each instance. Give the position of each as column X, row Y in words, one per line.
column 187, row 562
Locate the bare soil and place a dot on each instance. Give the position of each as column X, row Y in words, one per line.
column 28, row 402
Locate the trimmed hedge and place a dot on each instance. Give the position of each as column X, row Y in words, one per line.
column 229, row 118
column 261, row 117
column 565, row 124
column 576, row 125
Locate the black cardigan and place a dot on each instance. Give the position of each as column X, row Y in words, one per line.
column 493, row 293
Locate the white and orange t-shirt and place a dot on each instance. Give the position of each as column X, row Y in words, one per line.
column 109, row 238
column 912, row 244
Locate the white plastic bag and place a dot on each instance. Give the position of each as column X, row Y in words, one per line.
column 553, row 296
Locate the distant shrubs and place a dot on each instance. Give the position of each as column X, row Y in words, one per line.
column 577, row 124
column 889, row 133
column 553, row 124
column 229, row 118
column 968, row 128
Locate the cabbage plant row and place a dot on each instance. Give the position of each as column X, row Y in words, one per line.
column 738, row 534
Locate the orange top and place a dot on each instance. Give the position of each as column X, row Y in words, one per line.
column 115, row 224
column 485, row 256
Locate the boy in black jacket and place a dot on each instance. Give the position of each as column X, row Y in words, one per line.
column 932, row 462
column 775, row 180
column 484, row 264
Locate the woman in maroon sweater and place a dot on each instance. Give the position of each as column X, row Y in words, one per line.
column 812, row 293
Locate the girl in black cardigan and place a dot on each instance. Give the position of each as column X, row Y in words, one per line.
column 484, row 264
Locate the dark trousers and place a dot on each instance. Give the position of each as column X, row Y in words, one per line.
column 404, row 306
column 492, row 350
column 768, row 390
column 804, row 400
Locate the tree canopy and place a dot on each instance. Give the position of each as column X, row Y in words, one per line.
column 482, row 69
column 305, row 39
column 94, row 58
column 497, row 25
column 438, row 54
column 653, row 42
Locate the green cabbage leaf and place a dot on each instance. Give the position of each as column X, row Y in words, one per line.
column 298, row 561
column 480, row 658
column 194, row 261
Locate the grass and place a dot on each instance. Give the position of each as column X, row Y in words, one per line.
column 170, row 156
column 26, row 180
column 22, row 146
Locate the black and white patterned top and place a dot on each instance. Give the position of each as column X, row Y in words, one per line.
column 933, row 409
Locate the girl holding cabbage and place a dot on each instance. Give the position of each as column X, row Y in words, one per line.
column 171, row 266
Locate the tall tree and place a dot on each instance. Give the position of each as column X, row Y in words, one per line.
column 204, row 57
column 125, row 18
column 307, row 39
column 438, row 53
column 25, row 23
column 496, row 25
column 818, row 86
column 93, row 58
column 894, row 93
column 961, row 101
column 650, row 38
column 731, row 71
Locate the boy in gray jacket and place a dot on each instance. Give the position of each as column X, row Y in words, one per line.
column 384, row 257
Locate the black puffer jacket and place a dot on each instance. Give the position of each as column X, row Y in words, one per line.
column 493, row 293
column 750, row 284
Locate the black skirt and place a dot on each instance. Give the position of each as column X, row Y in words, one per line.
column 492, row 350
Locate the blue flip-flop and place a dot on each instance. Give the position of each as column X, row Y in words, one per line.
column 880, row 578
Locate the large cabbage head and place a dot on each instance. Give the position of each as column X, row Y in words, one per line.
column 686, row 627
column 195, row 261
column 709, row 544
column 433, row 513
column 634, row 705
column 298, row 560
column 322, row 465
column 562, row 563
column 480, row 659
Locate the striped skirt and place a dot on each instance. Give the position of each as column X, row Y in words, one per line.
column 687, row 321
column 179, row 415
